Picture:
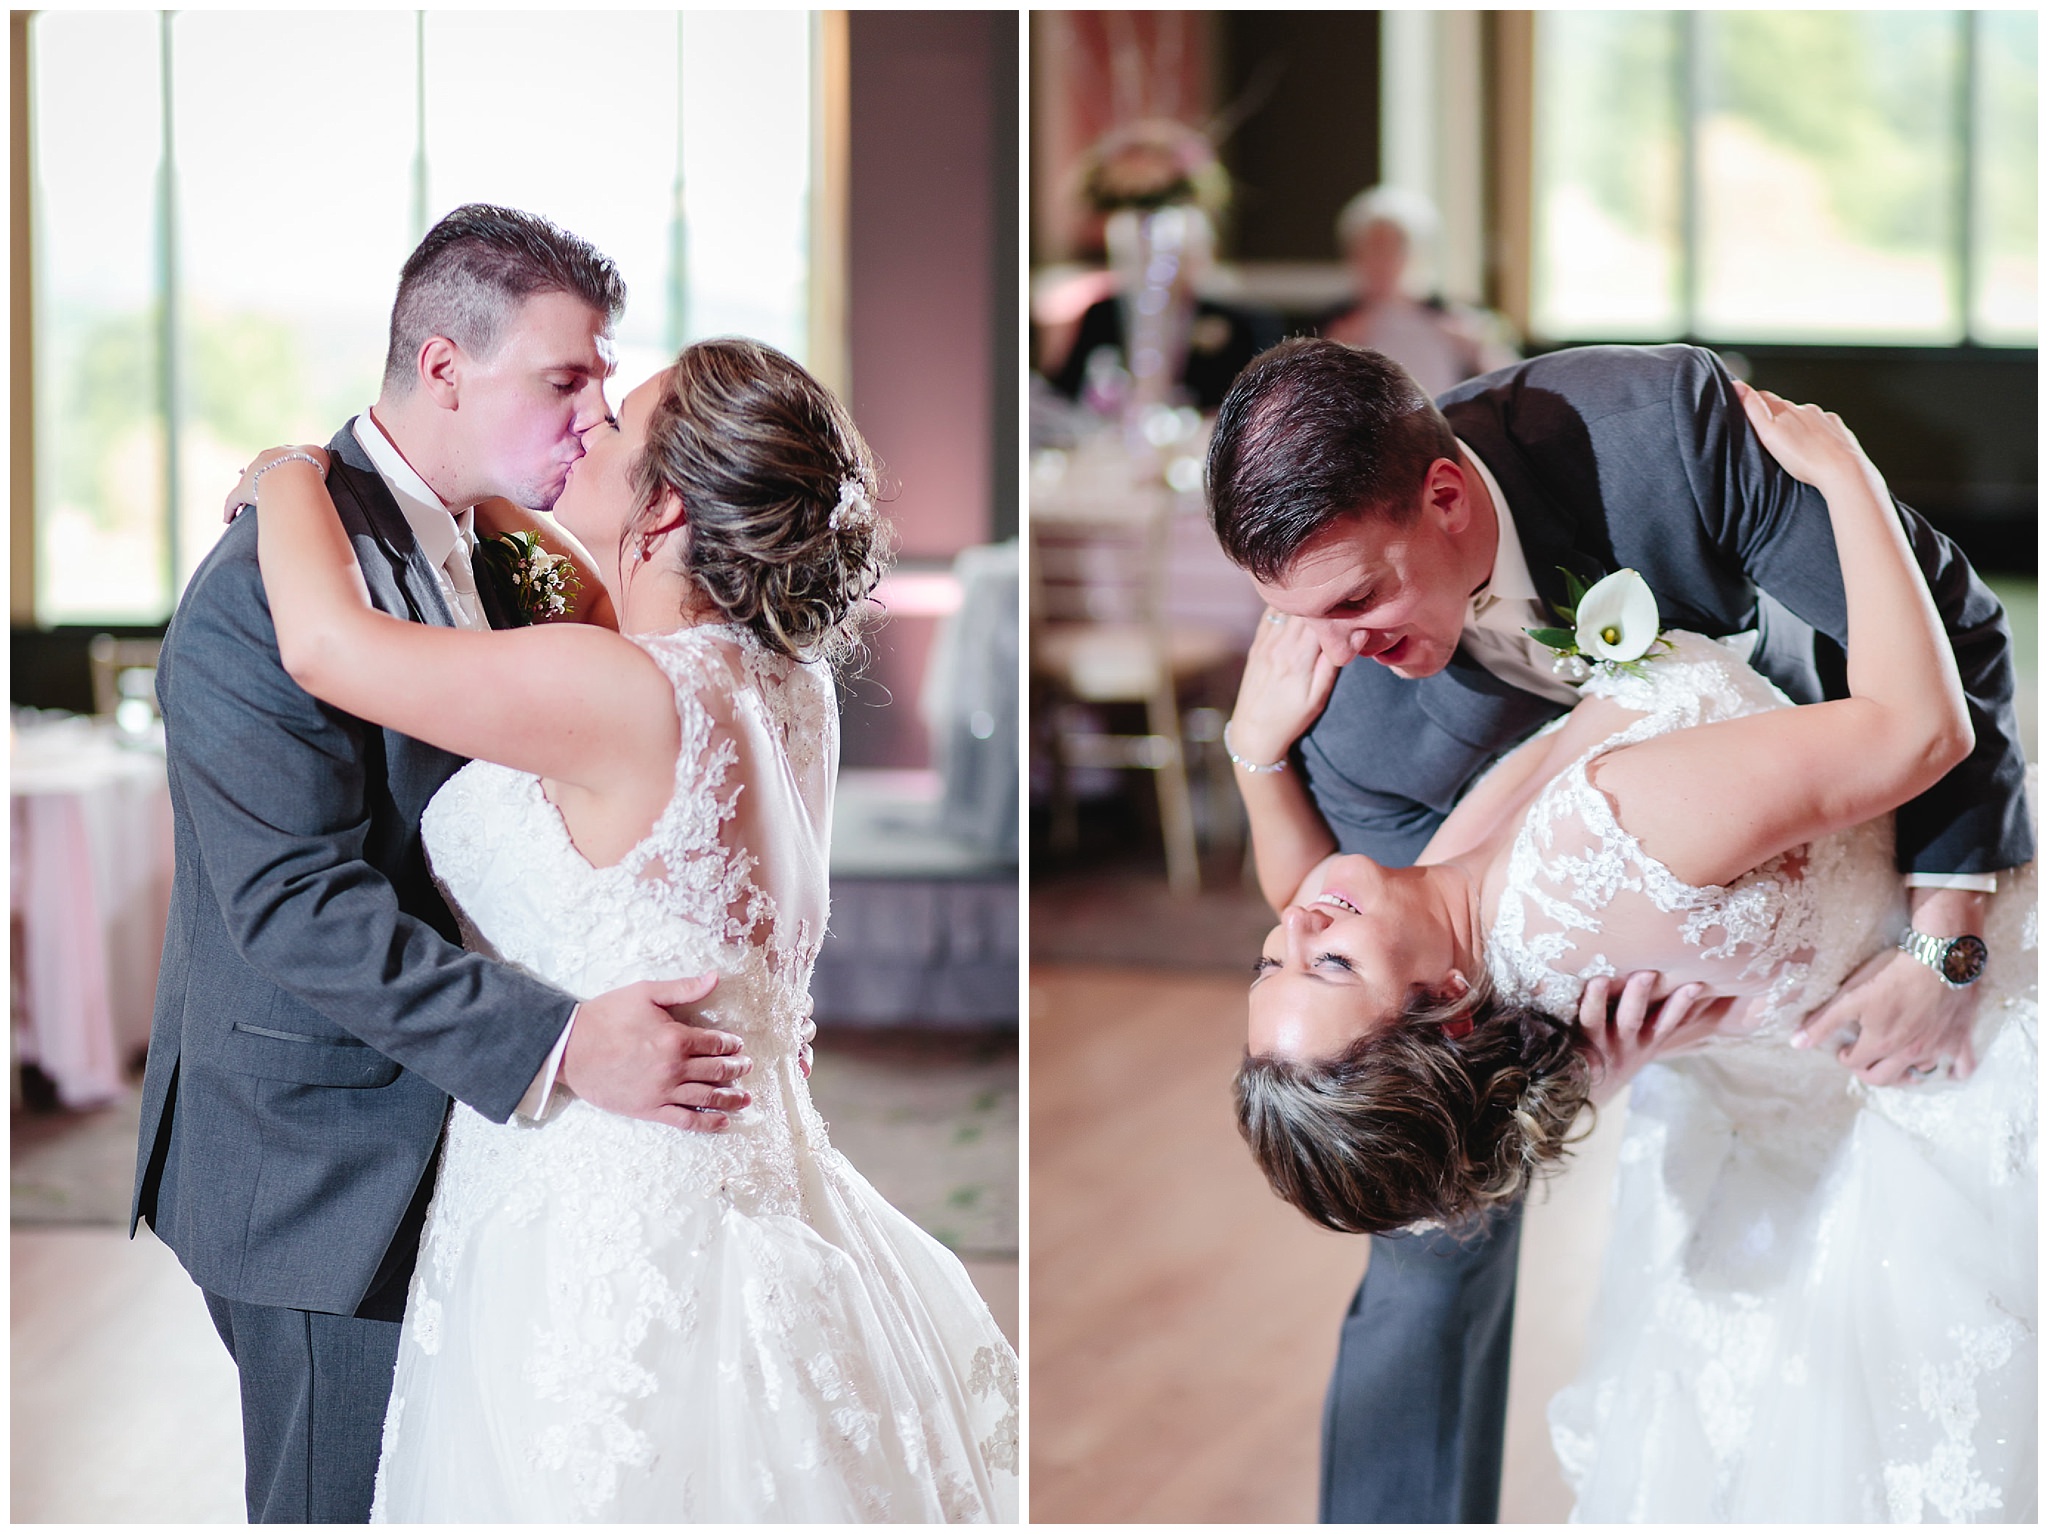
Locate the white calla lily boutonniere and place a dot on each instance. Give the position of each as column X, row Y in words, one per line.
column 1613, row 623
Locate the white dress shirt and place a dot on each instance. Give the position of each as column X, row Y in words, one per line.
column 1508, row 605
column 446, row 538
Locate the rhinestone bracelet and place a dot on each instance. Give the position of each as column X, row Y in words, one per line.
column 256, row 479
column 1248, row 766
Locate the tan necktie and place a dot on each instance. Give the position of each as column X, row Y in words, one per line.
column 1495, row 636
column 469, row 612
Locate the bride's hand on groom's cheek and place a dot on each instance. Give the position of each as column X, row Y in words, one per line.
column 1623, row 1034
column 1287, row 680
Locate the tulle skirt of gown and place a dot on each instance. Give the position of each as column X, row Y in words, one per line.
column 675, row 1339
column 1819, row 1302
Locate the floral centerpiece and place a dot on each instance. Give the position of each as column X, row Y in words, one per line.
column 1156, row 181
column 1153, row 163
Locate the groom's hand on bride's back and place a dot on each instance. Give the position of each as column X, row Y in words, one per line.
column 1901, row 1023
column 633, row 1052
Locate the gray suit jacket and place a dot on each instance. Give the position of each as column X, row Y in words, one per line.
column 315, row 1011
column 1613, row 456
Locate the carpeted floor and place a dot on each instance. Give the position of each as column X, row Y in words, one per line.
column 74, row 1168
column 929, row 1118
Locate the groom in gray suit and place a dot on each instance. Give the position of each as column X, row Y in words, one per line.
column 1421, row 542
column 316, row 1011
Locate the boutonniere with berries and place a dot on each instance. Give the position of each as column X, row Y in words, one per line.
column 1613, row 624
column 544, row 584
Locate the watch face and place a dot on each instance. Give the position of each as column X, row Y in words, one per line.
column 1964, row 960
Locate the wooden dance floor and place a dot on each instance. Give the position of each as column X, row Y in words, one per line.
column 1183, row 1319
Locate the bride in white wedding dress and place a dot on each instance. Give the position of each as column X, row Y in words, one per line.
column 612, row 1319
column 1818, row 1302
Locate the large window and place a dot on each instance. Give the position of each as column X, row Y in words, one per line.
column 223, row 202
column 1792, row 176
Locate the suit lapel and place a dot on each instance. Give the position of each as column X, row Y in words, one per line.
column 502, row 609
column 1550, row 534
column 356, row 478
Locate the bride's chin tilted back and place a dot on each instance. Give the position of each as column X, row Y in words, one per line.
column 1440, row 1117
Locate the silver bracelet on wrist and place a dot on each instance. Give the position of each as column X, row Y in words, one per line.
column 256, row 479
column 1248, row 766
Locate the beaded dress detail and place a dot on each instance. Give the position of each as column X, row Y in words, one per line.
column 1818, row 1300
column 615, row 1320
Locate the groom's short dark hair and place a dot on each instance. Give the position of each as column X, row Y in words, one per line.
column 1311, row 432
column 478, row 264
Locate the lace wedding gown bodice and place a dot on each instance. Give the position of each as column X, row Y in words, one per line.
column 615, row 1319
column 1580, row 888
column 1817, row 1302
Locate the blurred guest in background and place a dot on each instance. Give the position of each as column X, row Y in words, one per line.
column 1388, row 236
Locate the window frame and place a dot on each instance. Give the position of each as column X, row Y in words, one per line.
column 822, row 325
column 1960, row 259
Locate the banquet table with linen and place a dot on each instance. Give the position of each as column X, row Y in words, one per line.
column 90, row 834
column 1104, row 480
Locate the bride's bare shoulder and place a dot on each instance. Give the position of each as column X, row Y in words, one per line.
column 1494, row 805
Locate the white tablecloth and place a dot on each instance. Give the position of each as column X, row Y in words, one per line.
column 1103, row 482
column 91, row 841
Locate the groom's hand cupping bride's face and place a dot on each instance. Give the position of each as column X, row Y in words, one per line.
column 629, row 1055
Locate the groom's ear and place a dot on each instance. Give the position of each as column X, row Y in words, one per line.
column 439, row 364
column 1447, row 495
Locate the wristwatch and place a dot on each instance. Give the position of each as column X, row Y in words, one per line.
column 1958, row 960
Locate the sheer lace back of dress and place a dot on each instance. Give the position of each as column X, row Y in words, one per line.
column 614, row 1318
column 744, row 845
column 731, row 877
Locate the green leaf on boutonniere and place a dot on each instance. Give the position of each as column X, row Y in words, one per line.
column 1555, row 639
column 1574, row 590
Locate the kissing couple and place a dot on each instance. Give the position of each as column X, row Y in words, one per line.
column 1767, row 771
column 626, row 1277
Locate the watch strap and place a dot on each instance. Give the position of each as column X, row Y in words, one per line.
column 1934, row 953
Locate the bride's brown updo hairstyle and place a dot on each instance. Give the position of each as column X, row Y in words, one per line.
column 778, row 493
column 1426, row 1119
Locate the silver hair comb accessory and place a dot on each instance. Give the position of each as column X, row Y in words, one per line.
column 853, row 503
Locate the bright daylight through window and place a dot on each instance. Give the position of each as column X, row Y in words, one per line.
column 272, row 203
column 1861, row 177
